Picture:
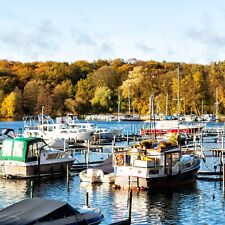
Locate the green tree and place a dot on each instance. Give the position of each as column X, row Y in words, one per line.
column 84, row 94
column 102, row 99
column 60, row 94
column 30, row 96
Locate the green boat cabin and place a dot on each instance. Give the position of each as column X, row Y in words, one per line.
column 21, row 149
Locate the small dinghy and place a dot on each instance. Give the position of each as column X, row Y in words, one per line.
column 96, row 176
column 48, row 212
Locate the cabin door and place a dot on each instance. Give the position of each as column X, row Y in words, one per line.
column 168, row 164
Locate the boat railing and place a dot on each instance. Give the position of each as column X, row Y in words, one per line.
column 129, row 158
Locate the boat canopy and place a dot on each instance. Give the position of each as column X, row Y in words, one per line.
column 34, row 210
column 21, row 149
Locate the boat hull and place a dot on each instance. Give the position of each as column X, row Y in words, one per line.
column 96, row 176
column 27, row 170
column 165, row 182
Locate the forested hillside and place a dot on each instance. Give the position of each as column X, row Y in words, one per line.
column 94, row 87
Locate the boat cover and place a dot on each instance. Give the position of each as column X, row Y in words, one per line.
column 29, row 211
column 106, row 166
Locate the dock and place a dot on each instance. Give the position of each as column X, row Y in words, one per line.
column 216, row 152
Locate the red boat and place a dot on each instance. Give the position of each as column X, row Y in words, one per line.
column 165, row 127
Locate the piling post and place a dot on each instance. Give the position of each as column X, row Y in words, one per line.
column 222, row 162
column 31, row 189
column 88, row 153
column 129, row 204
column 87, row 199
column 39, row 166
column 67, row 173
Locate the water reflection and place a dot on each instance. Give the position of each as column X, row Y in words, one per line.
column 200, row 204
column 12, row 191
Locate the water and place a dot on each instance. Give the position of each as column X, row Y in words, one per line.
column 201, row 203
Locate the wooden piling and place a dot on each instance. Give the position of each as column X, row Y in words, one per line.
column 87, row 199
column 129, row 205
column 67, row 173
column 31, row 189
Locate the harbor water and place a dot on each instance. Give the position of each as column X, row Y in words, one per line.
column 200, row 203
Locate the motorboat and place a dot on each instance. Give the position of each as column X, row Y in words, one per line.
column 53, row 142
column 45, row 127
column 99, row 133
column 96, row 176
column 105, row 134
column 6, row 133
column 156, row 166
column 30, row 157
column 40, row 211
column 171, row 126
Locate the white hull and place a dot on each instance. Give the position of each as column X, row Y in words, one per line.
column 96, row 176
column 26, row 170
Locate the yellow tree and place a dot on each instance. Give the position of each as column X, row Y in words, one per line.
column 12, row 104
column 102, row 99
column 130, row 87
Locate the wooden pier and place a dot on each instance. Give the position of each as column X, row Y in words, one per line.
column 210, row 176
column 216, row 152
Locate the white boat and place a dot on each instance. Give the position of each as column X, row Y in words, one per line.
column 53, row 142
column 172, row 126
column 157, row 167
column 32, row 157
column 45, row 127
column 49, row 212
column 105, row 134
column 96, row 176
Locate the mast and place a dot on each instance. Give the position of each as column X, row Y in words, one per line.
column 166, row 103
column 178, row 92
column 129, row 97
column 217, row 104
column 118, row 108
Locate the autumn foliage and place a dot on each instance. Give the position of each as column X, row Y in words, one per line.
column 93, row 87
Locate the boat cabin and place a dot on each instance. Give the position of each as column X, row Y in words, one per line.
column 22, row 149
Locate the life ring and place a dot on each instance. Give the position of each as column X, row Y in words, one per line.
column 119, row 160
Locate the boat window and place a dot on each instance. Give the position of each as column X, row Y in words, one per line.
column 175, row 158
column 43, row 145
column 18, row 148
column 153, row 171
column 52, row 156
column 32, row 150
column 6, row 148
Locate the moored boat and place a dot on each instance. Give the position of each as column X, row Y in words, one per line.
column 156, row 167
column 31, row 157
column 172, row 126
column 48, row 211
column 96, row 176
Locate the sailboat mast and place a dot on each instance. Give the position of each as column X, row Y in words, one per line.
column 166, row 103
column 118, row 108
column 178, row 93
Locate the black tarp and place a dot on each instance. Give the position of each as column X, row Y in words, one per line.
column 28, row 211
column 105, row 166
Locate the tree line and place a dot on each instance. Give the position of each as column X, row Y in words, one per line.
column 84, row 87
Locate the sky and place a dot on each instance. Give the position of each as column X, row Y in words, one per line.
column 190, row 31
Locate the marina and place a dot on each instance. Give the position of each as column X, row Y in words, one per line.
column 196, row 203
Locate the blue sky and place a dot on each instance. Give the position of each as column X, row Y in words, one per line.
column 191, row 31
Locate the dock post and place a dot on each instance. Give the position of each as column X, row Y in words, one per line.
column 222, row 162
column 87, row 198
column 129, row 205
column 64, row 144
column 88, row 153
column 67, row 173
column 31, row 189
column 127, row 139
